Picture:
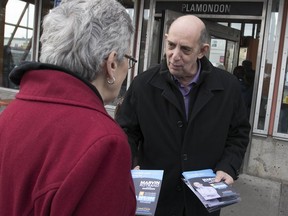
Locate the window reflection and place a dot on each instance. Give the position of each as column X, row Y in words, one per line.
column 267, row 70
column 283, row 118
column 18, row 31
column 141, row 66
column 236, row 25
column 248, row 29
column 217, row 52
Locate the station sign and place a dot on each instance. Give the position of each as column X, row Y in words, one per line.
column 209, row 8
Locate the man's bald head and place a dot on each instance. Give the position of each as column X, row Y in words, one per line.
column 191, row 25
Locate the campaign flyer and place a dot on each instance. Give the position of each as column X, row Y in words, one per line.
column 213, row 195
column 147, row 188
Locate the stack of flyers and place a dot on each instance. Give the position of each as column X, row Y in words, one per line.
column 213, row 195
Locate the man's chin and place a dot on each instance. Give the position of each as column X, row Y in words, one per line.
column 174, row 70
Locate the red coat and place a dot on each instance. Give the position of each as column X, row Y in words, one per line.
column 60, row 152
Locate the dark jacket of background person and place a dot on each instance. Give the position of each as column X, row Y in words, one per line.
column 246, row 86
column 215, row 136
column 76, row 179
column 8, row 65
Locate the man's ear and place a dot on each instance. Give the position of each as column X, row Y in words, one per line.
column 203, row 51
column 111, row 65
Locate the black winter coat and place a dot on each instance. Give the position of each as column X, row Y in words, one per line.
column 215, row 136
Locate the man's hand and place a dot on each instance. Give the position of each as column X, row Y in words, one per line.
column 223, row 176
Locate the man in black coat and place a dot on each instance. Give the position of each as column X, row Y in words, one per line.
column 185, row 114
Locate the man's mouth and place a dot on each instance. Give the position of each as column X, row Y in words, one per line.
column 175, row 65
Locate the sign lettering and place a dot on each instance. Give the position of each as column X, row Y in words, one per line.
column 206, row 8
column 211, row 7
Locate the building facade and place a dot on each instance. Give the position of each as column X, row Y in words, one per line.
column 240, row 30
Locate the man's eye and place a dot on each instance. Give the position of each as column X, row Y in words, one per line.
column 186, row 49
column 171, row 45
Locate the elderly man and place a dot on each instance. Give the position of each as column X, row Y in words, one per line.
column 184, row 114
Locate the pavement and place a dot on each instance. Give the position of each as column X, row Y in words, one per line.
column 259, row 197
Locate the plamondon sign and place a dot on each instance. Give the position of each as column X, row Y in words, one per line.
column 206, row 7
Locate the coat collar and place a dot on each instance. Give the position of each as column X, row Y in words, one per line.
column 208, row 82
column 207, row 69
column 50, row 83
column 18, row 72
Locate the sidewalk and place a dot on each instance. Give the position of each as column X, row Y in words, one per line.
column 259, row 197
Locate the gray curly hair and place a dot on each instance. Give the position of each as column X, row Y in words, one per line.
column 80, row 34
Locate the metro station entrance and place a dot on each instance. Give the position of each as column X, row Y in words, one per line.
column 235, row 29
column 238, row 31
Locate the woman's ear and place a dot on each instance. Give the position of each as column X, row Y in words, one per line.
column 111, row 65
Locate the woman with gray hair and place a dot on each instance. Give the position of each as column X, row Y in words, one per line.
column 60, row 151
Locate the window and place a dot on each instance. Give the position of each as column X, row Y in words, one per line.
column 281, row 117
column 248, row 30
column 267, row 75
column 236, row 25
column 18, row 32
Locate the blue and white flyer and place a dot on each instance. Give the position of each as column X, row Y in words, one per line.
column 147, row 188
column 213, row 195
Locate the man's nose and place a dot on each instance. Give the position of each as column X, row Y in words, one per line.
column 176, row 55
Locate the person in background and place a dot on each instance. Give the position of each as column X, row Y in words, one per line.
column 250, row 76
column 60, row 151
column 246, row 87
column 239, row 72
column 8, row 65
column 250, row 73
column 183, row 115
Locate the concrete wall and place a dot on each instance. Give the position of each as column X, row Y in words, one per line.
column 268, row 158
